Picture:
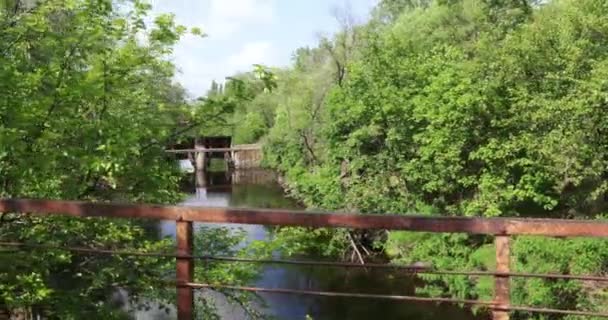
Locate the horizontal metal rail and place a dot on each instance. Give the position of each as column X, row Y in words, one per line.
column 489, row 226
column 501, row 228
column 491, row 304
column 336, row 294
column 413, row 269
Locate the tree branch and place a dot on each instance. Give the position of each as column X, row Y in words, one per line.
column 104, row 101
column 59, row 82
column 355, row 249
column 308, row 146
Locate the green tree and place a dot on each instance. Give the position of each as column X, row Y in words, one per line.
column 85, row 106
column 467, row 107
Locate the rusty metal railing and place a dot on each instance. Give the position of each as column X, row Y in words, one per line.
column 501, row 228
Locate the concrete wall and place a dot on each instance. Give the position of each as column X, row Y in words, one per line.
column 249, row 158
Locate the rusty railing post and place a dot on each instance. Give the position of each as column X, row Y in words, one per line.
column 502, row 295
column 184, row 271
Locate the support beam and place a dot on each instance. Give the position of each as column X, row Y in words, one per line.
column 502, row 293
column 184, row 271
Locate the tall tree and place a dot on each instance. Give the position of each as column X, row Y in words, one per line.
column 83, row 104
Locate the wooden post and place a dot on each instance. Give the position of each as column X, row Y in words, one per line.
column 227, row 160
column 502, row 295
column 200, row 161
column 184, row 271
column 200, row 157
column 200, row 179
column 236, row 159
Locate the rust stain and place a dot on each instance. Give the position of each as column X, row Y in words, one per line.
column 490, row 226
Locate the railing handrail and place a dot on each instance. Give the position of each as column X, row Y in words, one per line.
column 501, row 228
column 469, row 225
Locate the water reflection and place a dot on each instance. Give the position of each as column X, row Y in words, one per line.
column 258, row 189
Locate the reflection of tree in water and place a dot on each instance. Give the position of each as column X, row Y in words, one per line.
column 356, row 281
column 259, row 189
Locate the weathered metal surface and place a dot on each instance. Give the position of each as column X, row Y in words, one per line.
column 490, row 226
column 184, row 270
column 502, row 293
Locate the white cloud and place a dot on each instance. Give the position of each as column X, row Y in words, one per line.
column 226, row 50
column 197, row 70
column 229, row 16
column 240, row 33
column 252, row 53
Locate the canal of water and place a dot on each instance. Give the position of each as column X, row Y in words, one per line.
column 259, row 189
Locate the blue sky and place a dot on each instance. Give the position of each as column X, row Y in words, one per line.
column 245, row 32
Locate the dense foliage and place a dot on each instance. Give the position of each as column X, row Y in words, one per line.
column 466, row 107
column 87, row 107
column 83, row 105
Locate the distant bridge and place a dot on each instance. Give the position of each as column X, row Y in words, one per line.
column 244, row 147
column 236, row 156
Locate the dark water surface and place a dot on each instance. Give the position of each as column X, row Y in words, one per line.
column 259, row 189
